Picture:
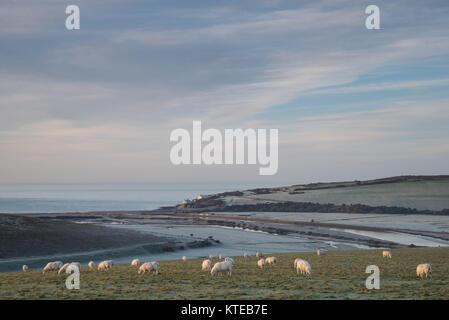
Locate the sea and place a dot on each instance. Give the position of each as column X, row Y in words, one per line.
column 19, row 198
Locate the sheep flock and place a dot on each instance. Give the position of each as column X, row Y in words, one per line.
column 218, row 265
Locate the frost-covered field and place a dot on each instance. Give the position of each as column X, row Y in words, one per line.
column 338, row 275
column 432, row 195
column 395, row 221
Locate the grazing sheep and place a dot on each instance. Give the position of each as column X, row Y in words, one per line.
column 259, row 255
column 62, row 269
column 424, row 269
column 261, row 263
column 135, row 262
column 270, row 260
column 303, row 266
column 224, row 266
column 91, row 265
column 245, row 255
column 105, row 265
column 25, row 268
column 52, row 266
column 184, row 258
column 48, row 267
column 386, row 254
column 207, row 265
column 321, row 252
column 65, row 266
column 230, row 259
column 149, row 266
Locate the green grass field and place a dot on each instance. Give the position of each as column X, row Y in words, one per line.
column 338, row 275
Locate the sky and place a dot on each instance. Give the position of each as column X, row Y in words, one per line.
column 98, row 104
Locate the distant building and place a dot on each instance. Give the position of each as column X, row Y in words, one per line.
column 186, row 202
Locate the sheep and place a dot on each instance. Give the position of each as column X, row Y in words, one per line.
column 48, row 267
column 321, row 252
column 259, row 255
column 211, row 257
column 230, row 259
column 207, row 265
column 424, row 269
column 62, row 269
column 270, row 260
column 105, row 265
column 220, row 257
column 296, row 261
column 52, row 266
column 224, row 266
column 245, row 255
column 25, row 268
column 386, row 254
column 135, row 262
column 91, row 265
column 65, row 266
column 303, row 266
column 184, row 258
column 261, row 263
column 149, row 266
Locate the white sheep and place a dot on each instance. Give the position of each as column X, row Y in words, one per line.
column 211, row 257
column 224, row 266
column 91, row 265
column 105, row 265
column 149, row 266
column 245, row 255
column 386, row 254
column 184, row 258
column 48, row 267
column 270, row 260
column 207, row 265
column 259, row 255
column 424, row 269
column 303, row 266
column 220, row 257
column 230, row 259
column 25, row 268
column 65, row 266
column 295, row 262
column 135, row 262
column 62, row 269
column 52, row 266
column 321, row 252
column 261, row 263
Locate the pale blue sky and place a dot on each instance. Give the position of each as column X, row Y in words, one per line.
column 98, row 104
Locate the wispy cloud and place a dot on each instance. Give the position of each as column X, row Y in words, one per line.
column 135, row 72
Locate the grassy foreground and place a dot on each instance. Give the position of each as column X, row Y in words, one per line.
column 338, row 275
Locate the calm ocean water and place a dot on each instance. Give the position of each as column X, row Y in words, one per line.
column 46, row 198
